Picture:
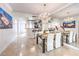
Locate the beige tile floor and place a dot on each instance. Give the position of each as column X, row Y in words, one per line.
column 27, row 47
column 24, row 46
column 75, row 44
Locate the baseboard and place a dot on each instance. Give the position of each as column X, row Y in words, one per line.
column 70, row 46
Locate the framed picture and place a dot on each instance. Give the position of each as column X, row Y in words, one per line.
column 70, row 24
column 5, row 19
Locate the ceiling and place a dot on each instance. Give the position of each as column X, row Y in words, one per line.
column 71, row 10
column 55, row 9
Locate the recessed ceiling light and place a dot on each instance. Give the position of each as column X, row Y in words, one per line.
column 44, row 5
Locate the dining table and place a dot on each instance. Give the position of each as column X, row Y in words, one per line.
column 43, row 37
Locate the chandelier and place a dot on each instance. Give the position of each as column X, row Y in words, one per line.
column 44, row 15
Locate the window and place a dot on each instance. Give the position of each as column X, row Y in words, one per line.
column 21, row 25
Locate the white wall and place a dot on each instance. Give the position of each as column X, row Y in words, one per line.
column 25, row 17
column 76, row 29
column 6, row 37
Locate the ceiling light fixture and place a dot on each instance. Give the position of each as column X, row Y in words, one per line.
column 68, row 17
column 44, row 5
column 44, row 15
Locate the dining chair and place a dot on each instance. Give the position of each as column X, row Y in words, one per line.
column 74, row 37
column 58, row 40
column 70, row 39
column 50, row 42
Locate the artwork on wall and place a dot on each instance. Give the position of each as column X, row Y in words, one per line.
column 38, row 24
column 5, row 20
column 70, row 24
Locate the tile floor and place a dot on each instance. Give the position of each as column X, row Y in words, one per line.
column 24, row 46
column 27, row 47
column 75, row 44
